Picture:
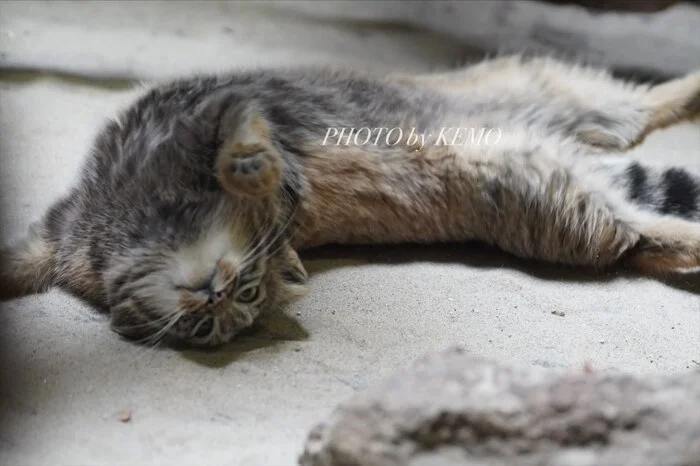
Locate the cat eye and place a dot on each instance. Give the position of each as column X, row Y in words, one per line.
column 248, row 294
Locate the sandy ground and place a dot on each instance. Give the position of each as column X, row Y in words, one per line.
column 66, row 377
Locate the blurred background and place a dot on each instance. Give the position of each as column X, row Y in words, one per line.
column 144, row 40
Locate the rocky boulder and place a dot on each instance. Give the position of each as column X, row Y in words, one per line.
column 452, row 408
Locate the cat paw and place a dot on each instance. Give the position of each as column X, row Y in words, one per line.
column 250, row 170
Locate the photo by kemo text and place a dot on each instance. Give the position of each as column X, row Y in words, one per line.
column 448, row 136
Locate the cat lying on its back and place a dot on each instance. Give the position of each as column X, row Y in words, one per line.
column 193, row 201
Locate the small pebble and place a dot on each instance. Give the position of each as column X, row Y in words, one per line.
column 124, row 415
column 558, row 313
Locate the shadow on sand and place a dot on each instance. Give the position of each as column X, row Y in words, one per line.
column 280, row 328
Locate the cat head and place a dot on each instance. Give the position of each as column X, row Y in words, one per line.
column 206, row 292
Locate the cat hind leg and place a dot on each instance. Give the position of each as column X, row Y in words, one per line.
column 537, row 207
column 625, row 114
column 666, row 245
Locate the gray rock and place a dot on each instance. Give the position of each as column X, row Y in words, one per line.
column 451, row 408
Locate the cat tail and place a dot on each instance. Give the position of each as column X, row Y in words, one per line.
column 663, row 190
column 26, row 267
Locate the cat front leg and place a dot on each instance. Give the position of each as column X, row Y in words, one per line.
column 248, row 164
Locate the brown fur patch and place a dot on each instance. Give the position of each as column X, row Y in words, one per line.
column 355, row 195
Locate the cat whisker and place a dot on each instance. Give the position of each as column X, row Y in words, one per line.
column 260, row 244
column 162, row 319
column 158, row 334
column 266, row 241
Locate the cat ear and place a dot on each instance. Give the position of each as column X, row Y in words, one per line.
column 291, row 269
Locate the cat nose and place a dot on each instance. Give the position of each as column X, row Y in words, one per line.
column 215, row 297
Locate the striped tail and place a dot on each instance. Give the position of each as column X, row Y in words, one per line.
column 667, row 191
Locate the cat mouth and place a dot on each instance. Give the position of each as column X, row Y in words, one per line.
column 195, row 328
column 202, row 328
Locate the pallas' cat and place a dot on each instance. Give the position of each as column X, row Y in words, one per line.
column 193, row 202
